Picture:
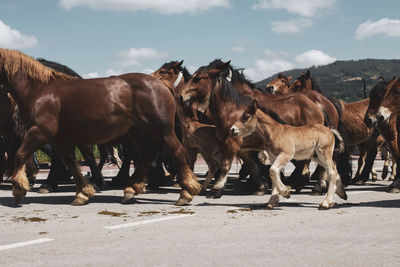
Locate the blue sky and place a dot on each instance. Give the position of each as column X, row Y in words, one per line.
column 107, row 37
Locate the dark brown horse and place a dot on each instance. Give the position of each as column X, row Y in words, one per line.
column 384, row 113
column 62, row 110
column 225, row 93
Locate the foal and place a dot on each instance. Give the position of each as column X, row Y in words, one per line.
column 285, row 142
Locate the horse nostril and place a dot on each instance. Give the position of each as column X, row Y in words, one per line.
column 233, row 131
column 379, row 117
column 368, row 122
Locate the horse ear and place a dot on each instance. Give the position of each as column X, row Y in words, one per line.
column 253, row 107
column 178, row 64
column 307, row 76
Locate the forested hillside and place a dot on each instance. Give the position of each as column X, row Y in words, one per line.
column 345, row 79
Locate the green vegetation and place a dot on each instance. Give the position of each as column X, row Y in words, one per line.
column 345, row 79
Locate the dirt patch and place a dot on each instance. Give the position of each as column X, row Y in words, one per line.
column 181, row 211
column 148, row 213
column 111, row 213
column 31, row 219
column 74, row 217
column 43, row 233
column 231, row 211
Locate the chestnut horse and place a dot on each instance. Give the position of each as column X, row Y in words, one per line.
column 307, row 85
column 383, row 111
column 285, row 142
column 134, row 106
column 224, row 92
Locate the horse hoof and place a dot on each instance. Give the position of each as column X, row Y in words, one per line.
column 127, row 196
column 360, row 182
column 269, row 207
column 78, row 202
column 394, row 190
column 341, row 192
column 18, row 197
column 217, row 193
column 326, row 206
column 182, row 201
column 286, row 194
column 45, row 189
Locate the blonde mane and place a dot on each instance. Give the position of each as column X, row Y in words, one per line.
column 13, row 61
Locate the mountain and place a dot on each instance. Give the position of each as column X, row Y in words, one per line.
column 345, row 79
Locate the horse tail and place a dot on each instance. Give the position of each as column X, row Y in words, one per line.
column 339, row 143
column 327, row 121
column 343, row 159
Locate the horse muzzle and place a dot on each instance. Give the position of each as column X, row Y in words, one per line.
column 234, row 131
column 371, row 121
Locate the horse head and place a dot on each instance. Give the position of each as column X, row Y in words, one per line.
column 390, row 102
column 279, row 85
column 375, row 98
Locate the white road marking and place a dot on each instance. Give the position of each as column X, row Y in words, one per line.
column 147, row 221
column 26, row 243
column 357, row 192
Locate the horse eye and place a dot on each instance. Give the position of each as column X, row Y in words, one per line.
column 245, row 117
column 163, row 72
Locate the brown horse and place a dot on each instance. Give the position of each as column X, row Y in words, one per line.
column 135, row 106
column 201, row 137
column 221, row 90
column 285, row 142
column 384, row 111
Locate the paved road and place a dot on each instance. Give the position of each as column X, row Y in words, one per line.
column 234, row 230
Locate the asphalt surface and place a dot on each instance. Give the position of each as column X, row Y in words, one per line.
column 235, row 230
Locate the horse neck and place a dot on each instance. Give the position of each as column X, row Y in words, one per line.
column 267, row 124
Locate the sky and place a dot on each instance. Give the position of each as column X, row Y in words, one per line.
column 99, row 38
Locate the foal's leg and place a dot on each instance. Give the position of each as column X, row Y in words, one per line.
column 84, row 190
column 278, row 164
column 332, row 179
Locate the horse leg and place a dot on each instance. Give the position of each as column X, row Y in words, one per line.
column 34, row 139
column 369, row 161
column 332, row 180
column 97, row 179
column 362, row 149
column 186, row 178
column 300, row 176
column 84, row 190
column 121, row 179
column 137, row 181
column 274, row 172
column 385, row 155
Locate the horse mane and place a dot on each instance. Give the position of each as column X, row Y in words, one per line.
column 379, row 89
column 59, row 67
column 272, row 114
column 13, row 61
column 185, row 72
column 228, row 91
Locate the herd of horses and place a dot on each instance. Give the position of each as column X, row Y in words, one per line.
column 169, row 117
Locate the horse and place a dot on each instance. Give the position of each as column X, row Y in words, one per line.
column 308, row 86
column 285, row 142
column 133, row 106
column 15, row 132
column 220, row 90
column 201, row 135
column 383, row 111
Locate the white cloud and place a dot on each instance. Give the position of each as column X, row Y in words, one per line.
column 11, row 38
column 305, row 8
column 264, row 68
column 390, row 27
column 136, row 56
column 161, row 6
column 314, row 58
column 277, row 61
column 91, row 75
column 192, row 68
column 238, row 49
column 291, row 26
column 113, row 72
